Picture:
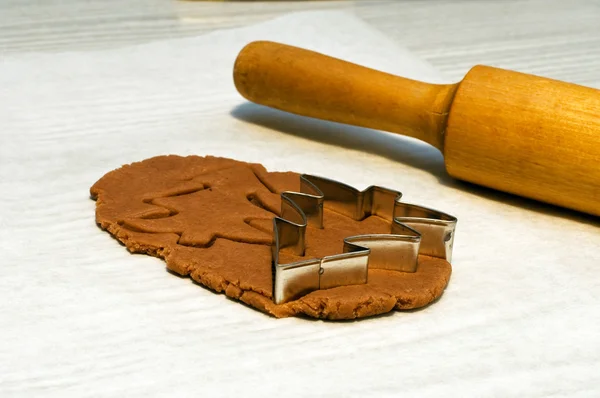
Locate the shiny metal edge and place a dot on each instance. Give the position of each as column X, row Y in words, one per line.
column 414, row 230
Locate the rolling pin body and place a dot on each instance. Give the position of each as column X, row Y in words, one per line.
column 523, row 134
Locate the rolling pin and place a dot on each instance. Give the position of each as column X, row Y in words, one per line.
column 523, row 134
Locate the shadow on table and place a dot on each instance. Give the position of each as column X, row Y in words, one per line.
column 391, row 146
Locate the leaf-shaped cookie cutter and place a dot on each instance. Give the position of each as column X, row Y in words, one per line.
column 414, row 230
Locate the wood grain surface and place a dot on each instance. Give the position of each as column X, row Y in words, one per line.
column 551, row 38
column 527, row 135
column 312, row 84
column 514, row 132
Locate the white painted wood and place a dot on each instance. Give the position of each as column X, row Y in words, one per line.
column 554, row 38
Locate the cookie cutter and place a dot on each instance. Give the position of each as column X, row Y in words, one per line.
column 414, row 230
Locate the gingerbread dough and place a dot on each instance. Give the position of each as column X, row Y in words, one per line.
column 211, row 219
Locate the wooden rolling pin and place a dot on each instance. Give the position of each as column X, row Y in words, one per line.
column 519, row 133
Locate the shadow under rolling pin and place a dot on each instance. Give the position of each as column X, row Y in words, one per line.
column 523, row 134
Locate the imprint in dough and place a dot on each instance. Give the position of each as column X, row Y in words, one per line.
column 211, row 219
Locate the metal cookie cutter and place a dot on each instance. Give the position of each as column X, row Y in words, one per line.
column 414, row 230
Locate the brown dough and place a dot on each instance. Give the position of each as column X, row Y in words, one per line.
column 211, row 218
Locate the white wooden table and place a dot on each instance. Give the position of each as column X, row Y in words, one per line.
column 553, row 38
